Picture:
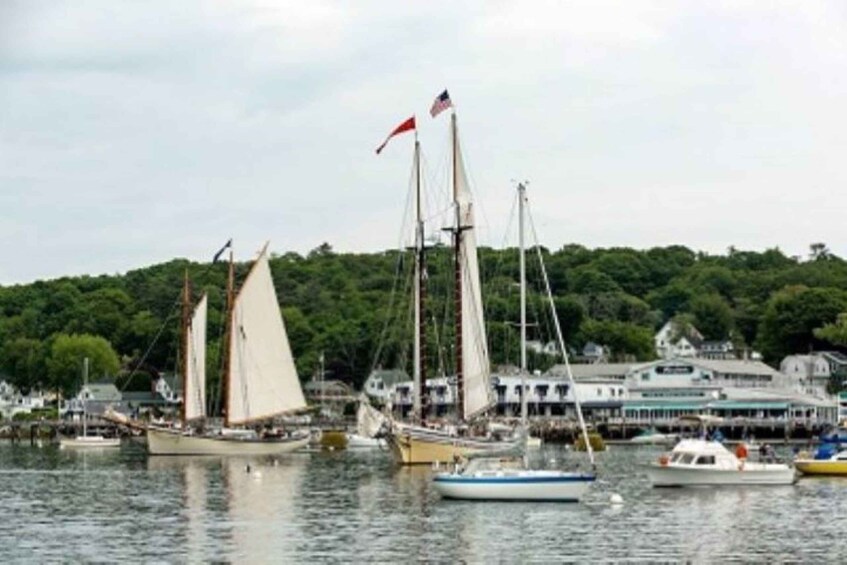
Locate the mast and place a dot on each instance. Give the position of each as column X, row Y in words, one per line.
column 457, row 298
column 418, row 371
column 230, row 299
column 521, row 199
column 186, row 322
column 84, row 397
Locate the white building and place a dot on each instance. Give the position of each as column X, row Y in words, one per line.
column 673, row 340
column 12, row 402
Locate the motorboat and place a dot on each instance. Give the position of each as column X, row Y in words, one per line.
column 700, row 462
column 828, row 459
column 651, row 436
column 489, row 478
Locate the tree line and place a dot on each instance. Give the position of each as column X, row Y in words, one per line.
column 354, row 310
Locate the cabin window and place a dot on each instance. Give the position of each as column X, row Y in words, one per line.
column 686, row 458
column 706, row 460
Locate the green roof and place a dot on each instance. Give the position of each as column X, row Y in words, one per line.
column 741, row 405
column 665, row 406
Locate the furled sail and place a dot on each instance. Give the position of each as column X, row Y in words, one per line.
column 195, row 367
column 369, row 420
column 475, row 364
column 263, row 380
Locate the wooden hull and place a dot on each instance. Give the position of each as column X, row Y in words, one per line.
column 169, row 442
column 550, row 486
column 416, row 446
column 821, row 467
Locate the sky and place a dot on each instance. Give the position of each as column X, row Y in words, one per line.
column 132, row 133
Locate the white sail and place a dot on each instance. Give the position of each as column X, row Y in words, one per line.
column 475, row 364
column 194, row 389
column 263, row 380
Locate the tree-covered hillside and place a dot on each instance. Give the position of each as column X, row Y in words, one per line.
column 355, row 308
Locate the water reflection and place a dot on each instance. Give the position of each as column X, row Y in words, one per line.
column 359, row 507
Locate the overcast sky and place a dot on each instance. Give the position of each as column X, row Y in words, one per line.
column 135, row 132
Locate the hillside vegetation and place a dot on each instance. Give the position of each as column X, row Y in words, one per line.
column 355, row 309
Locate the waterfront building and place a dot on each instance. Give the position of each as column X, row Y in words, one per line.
column 816, row 370
column 676, row 339
column 12, row 402
column 661, row 391
column 381, row 384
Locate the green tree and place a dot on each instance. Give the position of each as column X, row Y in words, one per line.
column 713, row 317
column 791, row 317
column 835, row 332
column 64, row 363
column 22, row 359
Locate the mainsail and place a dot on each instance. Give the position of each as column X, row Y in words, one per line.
column 263, row 380
column 475, row 365
column 194, row 392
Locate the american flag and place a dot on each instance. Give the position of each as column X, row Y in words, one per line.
column 442, row 102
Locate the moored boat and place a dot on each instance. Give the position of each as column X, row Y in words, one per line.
column 85, row 440
column 699, row 462
column 828, row 459
column 493, row 476
column 260, row 378
column 651, row 436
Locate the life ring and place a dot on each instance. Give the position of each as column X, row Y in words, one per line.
column 664, row 460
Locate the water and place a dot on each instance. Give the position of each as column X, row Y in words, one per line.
column 358, row 507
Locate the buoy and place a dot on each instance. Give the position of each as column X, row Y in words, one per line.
column 247, row 468
column 615, row 499
column 257, row 474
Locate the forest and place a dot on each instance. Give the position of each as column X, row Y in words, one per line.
column 354, row 310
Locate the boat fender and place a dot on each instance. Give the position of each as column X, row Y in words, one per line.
column 741, row 465
column 663, row 460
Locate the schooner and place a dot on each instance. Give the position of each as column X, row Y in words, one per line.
column 260, row 379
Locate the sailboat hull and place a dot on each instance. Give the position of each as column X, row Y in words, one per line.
column 172, row 442
column 413, row 446
column 90, row 441
column 551, row 486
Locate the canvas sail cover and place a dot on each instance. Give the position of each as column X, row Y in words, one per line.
column 369, row 420
column 475, row 364
column 194, row 393
column 263, row 380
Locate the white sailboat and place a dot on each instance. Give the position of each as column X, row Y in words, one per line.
column 86, row 440
column 260, row 379
column 508, row 476
column 413, row 443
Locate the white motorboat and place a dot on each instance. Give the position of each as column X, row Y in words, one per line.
column 698, row 462
column 652, row 436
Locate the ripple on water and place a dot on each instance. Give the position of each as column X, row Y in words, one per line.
column 358, row 506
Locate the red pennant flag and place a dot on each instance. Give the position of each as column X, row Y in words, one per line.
column 405, row 126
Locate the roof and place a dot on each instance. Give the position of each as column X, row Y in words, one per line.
column 103, row 391
column 174, row 382
column 727, row 366
column 592, row 370
column 390, row 376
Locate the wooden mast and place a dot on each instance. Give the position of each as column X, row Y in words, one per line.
column 186, row 323
column 230, row 299
column 457, row 245
column 420, row 404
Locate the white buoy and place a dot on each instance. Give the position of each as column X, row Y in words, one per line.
column 615, row 499
column 257, row 475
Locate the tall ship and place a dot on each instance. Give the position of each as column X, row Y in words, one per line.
column 415, row 442
column 260, row 381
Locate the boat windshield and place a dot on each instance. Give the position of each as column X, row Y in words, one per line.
column 686, row 458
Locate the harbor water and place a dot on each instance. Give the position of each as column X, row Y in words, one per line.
column 123, row 506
